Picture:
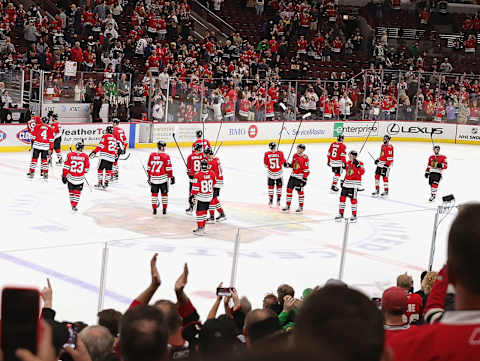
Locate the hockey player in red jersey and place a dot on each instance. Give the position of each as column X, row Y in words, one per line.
column 193, row 167
column 75, row 167
column 202, row 189
column 437, row 163
column 298, row 178
column 108, row 152
column 336, row 159
column 32, row 123
column 42, row 145
column 353, row 179
column 384, row 162
column 57, row 133
column 202, row 141
column 273, row 161
column 121, row 138
column 159, row 170
column 215, row 166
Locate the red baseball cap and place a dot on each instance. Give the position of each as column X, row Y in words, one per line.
column 394, row 299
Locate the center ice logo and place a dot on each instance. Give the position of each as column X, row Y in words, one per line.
column 24, row 136
column 3, row 136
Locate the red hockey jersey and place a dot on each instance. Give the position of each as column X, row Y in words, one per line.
column 107, row 148
column 436, row 164
column 414, row 308
column 386, row 155
column 120, row 136
column 57, row 130
column 336, row 154
column 203, row 183
column 43, row 137
column 455, row 338
column 193, row 163
column 217, row 170
column 159, row 168
column 32, row 123
column 75, row 167
column 205, row 143
column 300, row 167
column 353, row 175
column 273, row 161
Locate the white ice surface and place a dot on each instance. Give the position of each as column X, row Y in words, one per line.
column 41, row 237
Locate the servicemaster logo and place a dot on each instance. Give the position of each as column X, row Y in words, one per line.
column 337, row 129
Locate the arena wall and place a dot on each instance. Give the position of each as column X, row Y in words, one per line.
column 15, row 137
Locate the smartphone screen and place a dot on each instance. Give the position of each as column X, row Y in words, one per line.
column 20, row 312
column 72, row 337
column 224, row 291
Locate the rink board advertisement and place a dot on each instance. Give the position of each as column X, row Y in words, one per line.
column 73, row 111
column 419, row 131
column 243, row 133
column 16, row 137
column 468, row 134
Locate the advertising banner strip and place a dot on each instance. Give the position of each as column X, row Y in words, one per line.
column 16, row 137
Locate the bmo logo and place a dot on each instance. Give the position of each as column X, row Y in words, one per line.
column 252, row 131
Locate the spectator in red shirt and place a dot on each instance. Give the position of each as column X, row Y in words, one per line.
column 457, row 335
column 76, row 54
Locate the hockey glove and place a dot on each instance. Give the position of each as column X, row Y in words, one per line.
column 286, row 165
column 439, row 165
column 149, row 181
column 427, row 174
column 304, row 182
column 328, row 164
column 376, row 161
column 64, row 180
column 92, row 155
column 172, row 180
column 356, row 163
column 344, row 166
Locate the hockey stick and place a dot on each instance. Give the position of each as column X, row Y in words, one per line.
column 368, row 136
column 280, row 136
column 128, row 156
column 370, row 154
column 283, row 124
column 218, row 134
column 296, row 134
column 176, row 143
column 217, row 150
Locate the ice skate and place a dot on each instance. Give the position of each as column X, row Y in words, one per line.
column 221, row 217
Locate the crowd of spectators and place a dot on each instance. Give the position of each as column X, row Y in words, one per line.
column 331, row 322
column 144, row 60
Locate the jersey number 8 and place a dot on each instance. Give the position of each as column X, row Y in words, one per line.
column 196, row 165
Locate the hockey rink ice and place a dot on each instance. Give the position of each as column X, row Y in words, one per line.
column 41, row 237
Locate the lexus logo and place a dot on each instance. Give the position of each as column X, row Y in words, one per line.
column 395, row 128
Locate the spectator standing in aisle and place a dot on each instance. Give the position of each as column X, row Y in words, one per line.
column 259, row 5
